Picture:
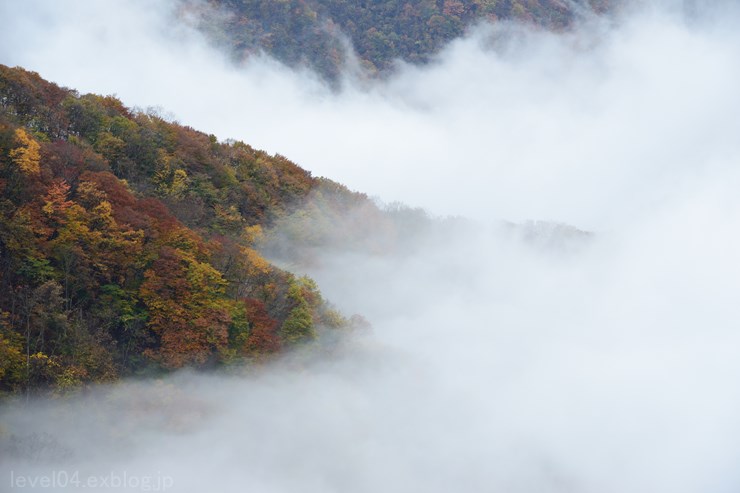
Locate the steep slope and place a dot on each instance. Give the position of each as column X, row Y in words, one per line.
column 127, row 243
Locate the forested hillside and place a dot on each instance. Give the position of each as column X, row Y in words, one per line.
column 127, row 243
column 315, row 33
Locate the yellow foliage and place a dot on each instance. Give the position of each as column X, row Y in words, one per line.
column 256, row 264
column 26, row 155
column 11, row 359
column 170, row 180
column 43, row 368
column 228, row 217
column 89, row 195
column 102, row 216
column 71, row 377
column 252, row 234
column 179, row 183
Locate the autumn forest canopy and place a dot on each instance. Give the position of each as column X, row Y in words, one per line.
column 127, row 243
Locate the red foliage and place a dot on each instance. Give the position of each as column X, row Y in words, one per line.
column 263, row 336
column 66, row 160
column 191, row 326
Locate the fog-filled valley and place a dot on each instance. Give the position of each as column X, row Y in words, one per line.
column 558, row 315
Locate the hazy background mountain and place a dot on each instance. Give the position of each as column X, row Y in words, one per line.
column 369, row 37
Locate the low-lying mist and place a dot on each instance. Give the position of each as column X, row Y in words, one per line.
column 495, row 363
column 513, row 357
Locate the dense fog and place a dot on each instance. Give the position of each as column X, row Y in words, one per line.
column 588, row 345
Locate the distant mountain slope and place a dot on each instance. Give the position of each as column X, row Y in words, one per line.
column 127, row 243
column 312, row 32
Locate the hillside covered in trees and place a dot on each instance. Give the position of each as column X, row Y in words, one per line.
column 318, row 33
column 128, row 243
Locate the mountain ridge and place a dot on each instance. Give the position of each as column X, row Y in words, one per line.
column 128, row 244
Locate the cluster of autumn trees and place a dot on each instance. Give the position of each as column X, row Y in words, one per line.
column 127, row 243
column 310, row 32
